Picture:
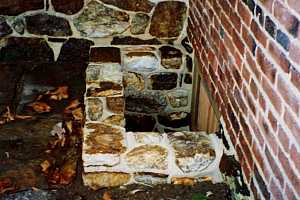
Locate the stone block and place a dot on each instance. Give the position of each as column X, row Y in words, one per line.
column 141, row 61
column 97, row 180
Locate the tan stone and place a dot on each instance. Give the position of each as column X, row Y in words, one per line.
column 94, row 108
column 104, row 89
column 104, row 139
column 147, row 157
column 99, row 180
column 151, row 178
column 148, row 137
column 116, row 104
column 117, row 120
column 193, row 151
column 134, row 80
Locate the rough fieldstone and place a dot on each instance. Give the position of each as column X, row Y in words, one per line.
column 148, row 137
column 163, row 81
column 105, row 55
column 131, row 5
column 98, row 20
column 134, row 81
column 127, row 40
column 189, row 63
column 4, row 27
column 178, row 98
column 186, row 44
column 21, row 49
column 193, row 151
column 139, row 23
column 16, row 7
column 175, row 119
column 145, row 102
column 68, row 7
column 93, row 73
column 97, row 180
column 140, row 122
column 94, row 109
column 116, row 104
column 19, row 25
column 168, row 19
column 105, row 89
column 75, row 50
column 171, row 58
column 44, row 24
column 111, row 72
column 104, row 139
column 141, row 61
column 147, row 157
column 117, row 120
column 151, row 178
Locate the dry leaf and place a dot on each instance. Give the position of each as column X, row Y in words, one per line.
column 106, row 196
column 45, row 166
column 23, row 117
column 69, row 126
column 40, row 107
column 74, row 104
column 68, row 172
column 183, row 181
column 59, row 94
column 7, row 116
column 78, row 114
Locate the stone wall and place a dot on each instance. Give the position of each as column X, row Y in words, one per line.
column 248, row 52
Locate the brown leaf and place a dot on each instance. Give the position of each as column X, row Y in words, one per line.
column 74, row 104
column 40, row 107
column 54, row 178
column 23, row 117
column 68, row 172
column 106, row 196
column 6, row 185
column 78, row 114
column 59, row 94
column 69, row 126
column 7, row 116
column 45, row 166
column 183, row 181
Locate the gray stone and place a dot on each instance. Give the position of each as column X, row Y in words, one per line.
column 178, row 98
column 45, row 24
column 4, row 27
column 97, row 20
column 94, row 109
column 141, row 61
column 145, row 102
column 19, row 25
column 151, row 178
column 131, row 5
column 139, row 23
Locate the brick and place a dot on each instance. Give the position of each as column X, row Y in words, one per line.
column 269, row 134
column 293, row 124
column 294, row 4
column 276, row 192
column 249, row 40
column 260, row 14
column 266, row 66
column 245, row 74
column 238, row 42
column 295, row 78
column 261, row 184
column 273, row 121
column 270, row 26
column 246, row 171
column 262, row 101
column 276, row 170
column 283, row 40
column 258, row 33
column 268, row 4
column 295, row 156
column 246, row 150
column 236, row 21
column 256, row 131
column 273, row 96
column 279, row 57
column 295, row 53
column 253, row 88
column 244, row 13
column 289, row 193
column 286, row 18
column 283, row 138
column 253, row 67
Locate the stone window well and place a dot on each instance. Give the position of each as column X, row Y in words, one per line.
column 131, row 63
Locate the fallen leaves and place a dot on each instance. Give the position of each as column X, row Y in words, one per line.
column 6, row 185
column 40, row 107
column 58, row 94
column 8, row 117
column 106, row 196
column 183, row 181
column 45, row 166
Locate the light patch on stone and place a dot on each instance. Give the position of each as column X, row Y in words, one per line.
column 134, row 81
column 117, row 120
column 100, row 159
column 178, row 98
column 94, row 108
column 98, row 20
column 193, row 151
column 147, row 157
column 111, row 72
column 93, row 73
column 148, row 137
column 150, row 178
column 141, row 61
column 97, row 180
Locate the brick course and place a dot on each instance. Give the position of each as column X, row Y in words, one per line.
column 249, row 54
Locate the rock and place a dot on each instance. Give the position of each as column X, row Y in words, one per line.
column 171, row 58
column 147, row 157
column 97, row 180
column 151, row 178
column 16, row 7
column 30, row 194
column 94, row 108
column 186, row 44
column 188, row 79
column 45, row 24
column 104, row 139
column 132, row 5
column 139, row 122
column 68, row 7
column 168, row 19
column 175, row 119
column 148, row 137
column 105, row 73
column 134, row 81
column 105, row 89
column 141, row 61
column 127, row 40
column 21, row 49
column 139, row 23
column 163, row 81
column 97, row 20
column 189, row 63
column 19, row 25
column 105, row 55
column 75, row 50
column 193, row 151
column 117, row 120
column 115, row 104
column 145, row 102
column 4, row 27
column 93, row 73
column 178, row 98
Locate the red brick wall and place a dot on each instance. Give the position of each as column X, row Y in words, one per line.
column 249, row 55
